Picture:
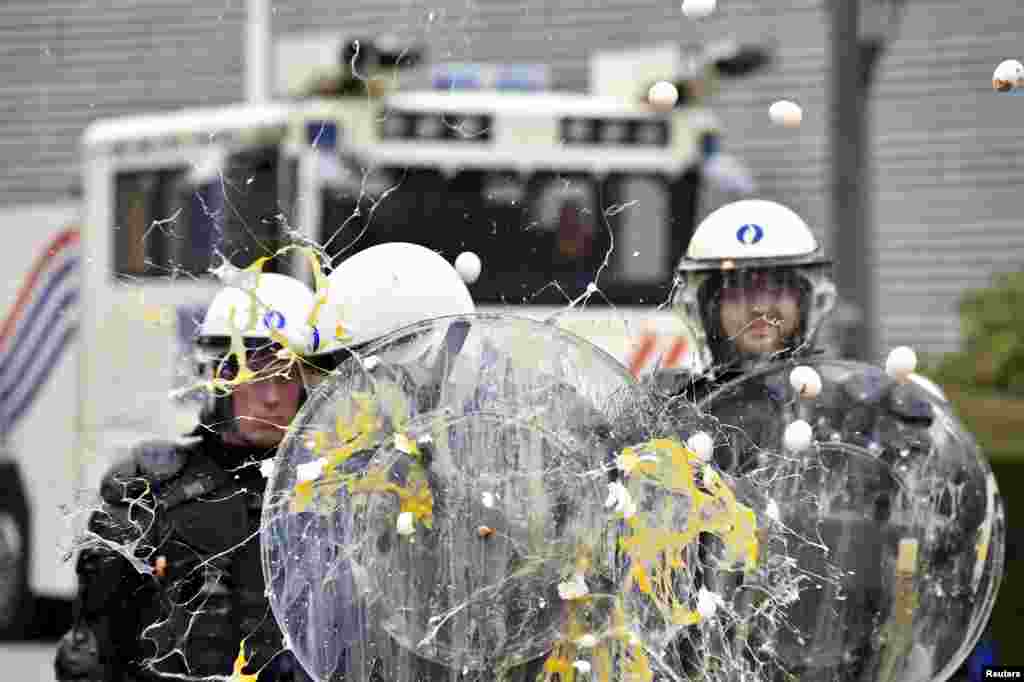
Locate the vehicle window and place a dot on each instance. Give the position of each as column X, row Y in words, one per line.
column 174, row 222
column 541, row 238
column 145, row 222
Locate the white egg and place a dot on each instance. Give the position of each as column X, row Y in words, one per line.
column 574, row 588
column 805, row 381
column 663, row 95
column 901, row 363
column 702, row 445
column 468, row 265
column 786, row 113
column 310, row 471
column 698, row 9
column 708, row 602
column 1008, row 75
column 406, row 524
column 797, row 437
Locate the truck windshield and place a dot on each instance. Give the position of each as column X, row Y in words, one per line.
column 542, row 238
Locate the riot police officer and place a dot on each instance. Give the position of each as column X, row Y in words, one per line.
column 755, row 290
column 170, row 580
column 753, row 286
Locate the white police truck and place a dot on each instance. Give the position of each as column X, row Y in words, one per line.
column 552, row 190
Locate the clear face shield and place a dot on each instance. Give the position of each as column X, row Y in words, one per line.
column 754, row 315
column 894, row 527
column 263, row 362
column 429, row 525
column 263, row 369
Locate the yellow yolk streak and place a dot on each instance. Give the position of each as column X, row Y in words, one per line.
column 655, row 553
column 362, row 433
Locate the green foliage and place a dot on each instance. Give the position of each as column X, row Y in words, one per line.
column 992, row 325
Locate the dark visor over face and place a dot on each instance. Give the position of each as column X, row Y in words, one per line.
column 745, row 285
column 264, row 362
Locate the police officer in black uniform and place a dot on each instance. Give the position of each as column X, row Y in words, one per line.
column 170, row 578
column 755, row 290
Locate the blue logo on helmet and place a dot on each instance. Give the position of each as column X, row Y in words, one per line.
column 749, row 234
column 273, row 320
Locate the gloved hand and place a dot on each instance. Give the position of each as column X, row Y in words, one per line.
column 78, row 657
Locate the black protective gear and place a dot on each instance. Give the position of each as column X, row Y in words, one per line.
column 748, row 411
column 869, row 410
column 171, row 580
column 78, row 657
column 873, row 411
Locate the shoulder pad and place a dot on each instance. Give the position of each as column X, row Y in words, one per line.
column 873, row 386
column 160, row 459
column 906, row 404
column 147, row 463
column 868, row 386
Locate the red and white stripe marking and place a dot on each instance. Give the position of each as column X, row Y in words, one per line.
column 651, row 350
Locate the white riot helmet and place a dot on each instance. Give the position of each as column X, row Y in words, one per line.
column 268, row 311
column 384, row 288
column 741, row 245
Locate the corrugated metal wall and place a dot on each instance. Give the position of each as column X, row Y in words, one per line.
column 949, row 157
column 946, row 150
column 68, row 63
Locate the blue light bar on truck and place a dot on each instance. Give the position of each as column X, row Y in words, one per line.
column 456, row 77
column 500, row 77
column 523, row 78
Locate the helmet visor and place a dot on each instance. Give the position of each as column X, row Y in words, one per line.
column 754, row 313
column 264, row 362
column 753, row 286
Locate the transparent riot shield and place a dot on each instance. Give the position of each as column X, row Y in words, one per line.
column 450, row 505
column 887, row 511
